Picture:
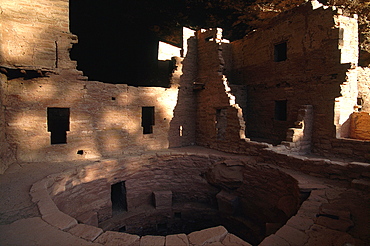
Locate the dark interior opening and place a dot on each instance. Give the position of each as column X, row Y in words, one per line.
column 147, row 119
column 118, row 197
column 117, row 43
column 281, row 110
column 58, row 124
column 280, row 52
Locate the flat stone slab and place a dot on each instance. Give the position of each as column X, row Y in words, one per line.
column 86, row 231
column 210, row 235
column 152, row 241
column 113, row 238
column 292, row 235
column 35, row 231
column 60, row 220
column 177, row 240
column 300, row 222
column 232, row 240
column 274, row 240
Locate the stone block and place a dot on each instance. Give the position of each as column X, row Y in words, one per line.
column 152, row 241
column 274, row 240
column 162, row 199
column 86, row 231
column 47, row 206
column 292, row 235
column 177, row 240
column 112, row 238
column 361, row 184
column 60, row 220
column 227, row 203
column 89, row 218
column 300, row 222
column 215, row 234
column 232, row 240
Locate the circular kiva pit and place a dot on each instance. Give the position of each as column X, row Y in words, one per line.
column 166, row 194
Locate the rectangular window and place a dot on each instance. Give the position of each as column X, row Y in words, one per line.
column 58, row 124
column 280, row 52
column 281, row 110
column 147, row 119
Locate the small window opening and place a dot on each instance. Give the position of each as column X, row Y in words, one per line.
column 80, row 152
column 280, row 52
column 147, row 119
column 119, row 197
column 180, row 131
column 177, row 215
column 281, row 110
column 221, row 123
column 113, row 98
column 58, row 124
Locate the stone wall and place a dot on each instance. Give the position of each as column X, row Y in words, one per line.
column 105, row 119
column 38, row 34
column 360, row 126
column 319, row 69
column 363, row 77
column 6, row 153
column 193, row 180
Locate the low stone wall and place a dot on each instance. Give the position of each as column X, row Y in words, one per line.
column 305, row 226
column 64, row 199
column 360, row 126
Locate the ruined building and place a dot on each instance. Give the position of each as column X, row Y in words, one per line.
column 115, row 135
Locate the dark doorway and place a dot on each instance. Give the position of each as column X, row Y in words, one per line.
column 118, row 197
column 280, row 52
column 58, row 124
column 147, row 119
column 281, row 110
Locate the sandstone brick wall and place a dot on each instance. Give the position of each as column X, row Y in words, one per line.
column 6, row 152
column 360, row 126
column 312, row 68
column 37, row 34
column 105, row 119
column 363, row 77
column 313, row 74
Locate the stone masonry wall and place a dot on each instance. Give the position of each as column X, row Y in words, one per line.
column 105, row 119
column 312, row 74
column 35, row 34
column 363, row 77
column 311, row 68
column 6, row 154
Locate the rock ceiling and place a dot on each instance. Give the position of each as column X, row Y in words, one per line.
column 236, row 17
